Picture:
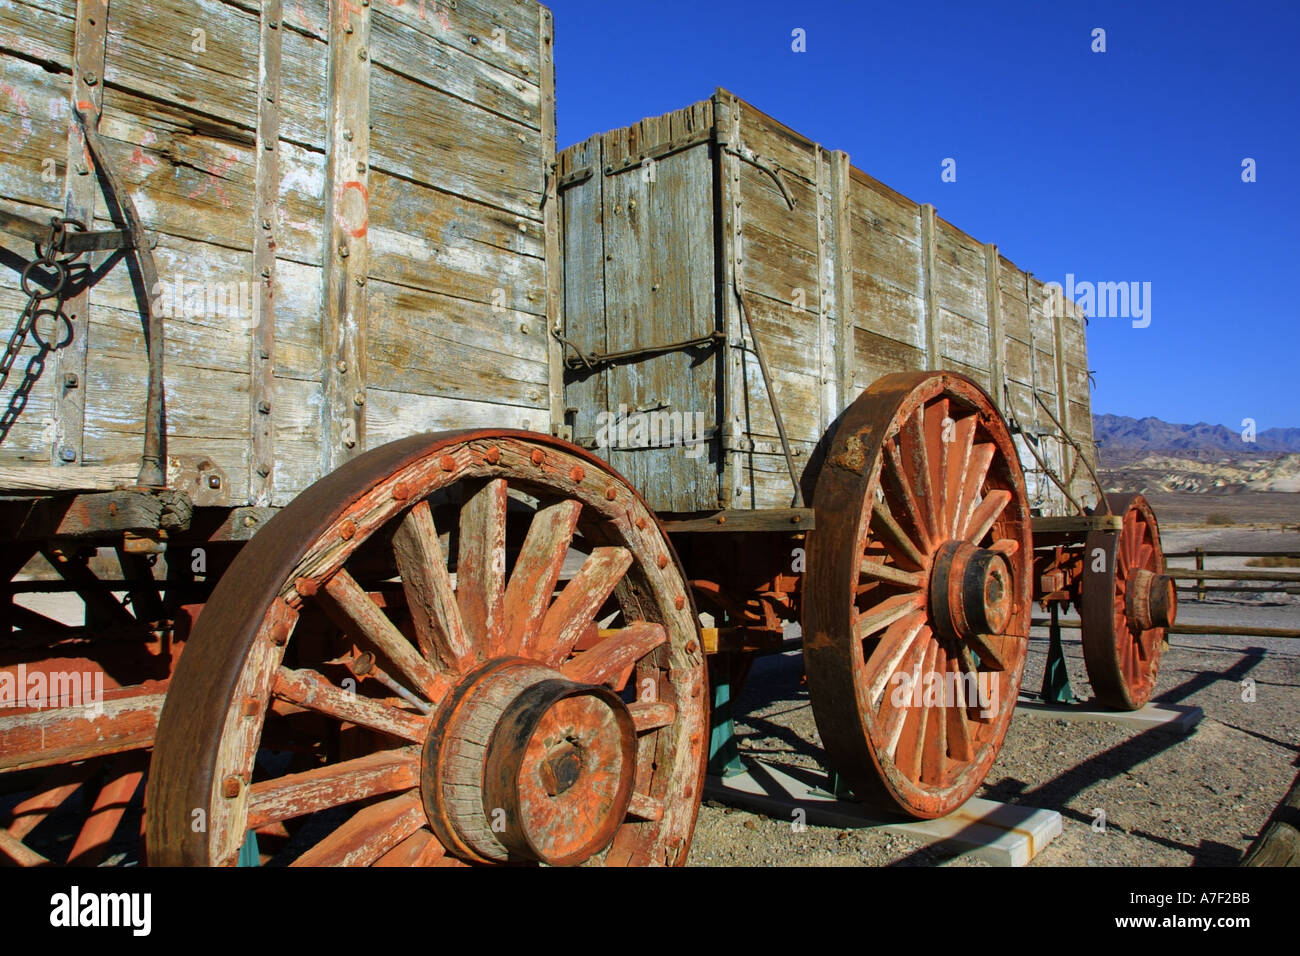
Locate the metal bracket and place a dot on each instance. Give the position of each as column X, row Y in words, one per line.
column 73, row 243
column 590, row 360
column 200, row 478
column 772, row 169
column 151, row 458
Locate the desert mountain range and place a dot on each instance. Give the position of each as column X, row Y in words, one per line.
column 1150, row 455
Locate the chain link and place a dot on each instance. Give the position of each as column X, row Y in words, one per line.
column 45, row 277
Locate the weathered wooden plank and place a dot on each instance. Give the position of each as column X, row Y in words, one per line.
column 583, row 245
column 421, row 135
column 778, row 145
column 463, row 249
column 997, row 343
column 421, row 51
column 346, row 260
column 876, row 355
column 431, row 344
column 40, row 31
column 551, row 212
column 261, row 355
column 53, row 478
column 68, row 370
column 726, row 116
column 930, row 287
column 841, row 278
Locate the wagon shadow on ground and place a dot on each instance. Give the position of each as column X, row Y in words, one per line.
column 776, row 680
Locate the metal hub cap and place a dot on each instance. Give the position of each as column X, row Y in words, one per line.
column 1150, row 600
column 971, row 591
column 525, row 764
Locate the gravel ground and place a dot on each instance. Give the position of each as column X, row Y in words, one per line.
column 1169, row 800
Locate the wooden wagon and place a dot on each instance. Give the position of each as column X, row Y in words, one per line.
column 263, row 255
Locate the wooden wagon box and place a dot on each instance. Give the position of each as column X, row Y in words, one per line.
column 345, row 203
column 670, row 224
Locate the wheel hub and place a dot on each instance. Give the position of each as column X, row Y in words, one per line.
column 1150, row 600
column 971, row 591
column 525, row 764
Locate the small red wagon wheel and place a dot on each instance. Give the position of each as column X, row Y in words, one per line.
column 396, row 671
column 1128, row 605
column 917, row 594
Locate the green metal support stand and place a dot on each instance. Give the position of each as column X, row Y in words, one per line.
column 724, row 757
column 248, row 855
column 1056, row 679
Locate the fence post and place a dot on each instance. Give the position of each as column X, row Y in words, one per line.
column 1200, row 566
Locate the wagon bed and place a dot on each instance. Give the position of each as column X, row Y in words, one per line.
column 673, row 223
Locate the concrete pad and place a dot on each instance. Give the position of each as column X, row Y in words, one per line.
column 1173, row 718
column 998, row 833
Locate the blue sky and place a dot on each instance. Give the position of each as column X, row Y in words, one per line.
column 1115, row 166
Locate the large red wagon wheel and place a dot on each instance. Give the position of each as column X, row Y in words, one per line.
column 917, row 595
column 443, row 702
column 1128, row 603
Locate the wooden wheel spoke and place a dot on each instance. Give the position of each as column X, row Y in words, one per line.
column 369, row 834
column 982, row 518
column 643, row 807
column 309, row 689
column 481, row 564
column 996, row 651
column 981, row 459
column 353, row 611
column 937, row 440
column 532, row 582
column 892, row 656
column 651, row 715
column 934, row 750
column 961, row 745
column 912, row 744
column 894, row 713
column 429, row 593
column 956, row 464
column 421, row 848
column 878, row 571
column 613, row 658
column 916, row 461
column 897, row 476
column 577, row 605
column 885, row 613
column 1006, row 546
column 334, row 785
column 893, row 537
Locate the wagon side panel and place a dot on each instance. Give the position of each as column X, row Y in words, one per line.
column 332, row 275
column 659, row 290
column 785, row 249
column 888, row 282
column 962, row 299
column 457, row 259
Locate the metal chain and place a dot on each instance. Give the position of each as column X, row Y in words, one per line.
column 39, row 286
